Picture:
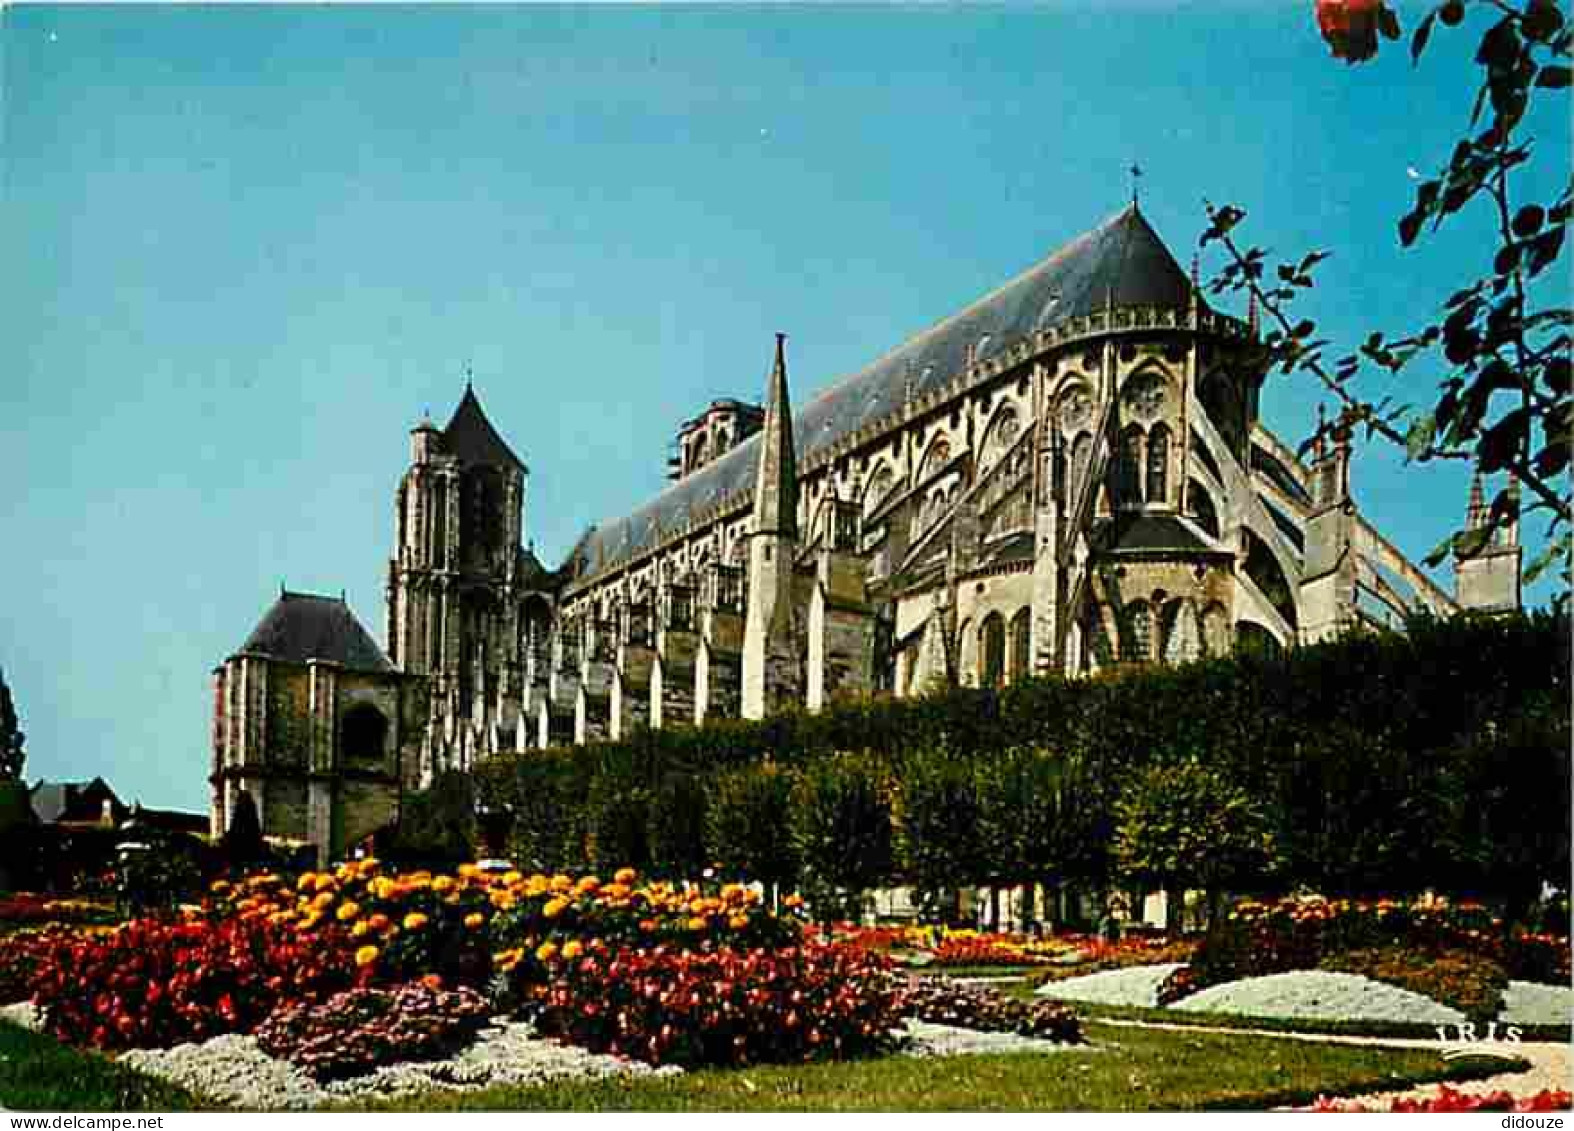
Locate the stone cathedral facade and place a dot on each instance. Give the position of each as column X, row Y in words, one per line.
column 1067, row 474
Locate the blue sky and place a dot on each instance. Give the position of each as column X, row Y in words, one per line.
column 245, row 247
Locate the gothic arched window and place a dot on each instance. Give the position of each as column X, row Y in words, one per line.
column 992, row 648
column 363, row 734
column 1137, row 645
column 1128, row 464
column 1021, row 637
column 1182, row 633
column 1159, row 464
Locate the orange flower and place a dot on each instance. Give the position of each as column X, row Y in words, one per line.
column 625, row 876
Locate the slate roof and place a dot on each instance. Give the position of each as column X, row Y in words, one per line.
column 1155, row 533
column 471, row 437
column 302, row 627
column 1122, row 262
column 54, row 801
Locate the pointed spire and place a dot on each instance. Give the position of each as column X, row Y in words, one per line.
column 1511, row 528
column 776, row 487
column 1476, row 512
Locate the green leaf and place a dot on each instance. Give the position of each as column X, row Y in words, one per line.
column 1556, row 550
column 1419, row 438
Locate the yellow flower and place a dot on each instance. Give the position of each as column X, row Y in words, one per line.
column 414, row 921
column 561, row 882
column 697, row 923
column 323, row 899
column 219, row 886
column 324, row 882
column 554, row 907
column 510, row 878
column 469, row 871
column 307, row 882
column 738, row 922
column 360, row 930
column 625, row 876
column 546, row 952
column 443, row 884
column 309, row 922
column 366, row 956
column 587, row 884
column 348, row 910
column 474, row 920
column 573, row 949
column 502, row 900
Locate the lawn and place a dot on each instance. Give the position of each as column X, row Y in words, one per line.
column 38, row 1073
column 1122, row 1069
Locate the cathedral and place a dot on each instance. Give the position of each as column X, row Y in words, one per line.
column 1067, row 475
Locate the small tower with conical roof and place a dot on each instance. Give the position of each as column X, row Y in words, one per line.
column 770, row 651
column 1487, row 562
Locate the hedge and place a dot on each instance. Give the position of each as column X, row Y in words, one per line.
column 1387, row 762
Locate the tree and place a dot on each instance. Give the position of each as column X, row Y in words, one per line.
column 617, row 814
column 11, row 736
column 1185, row 823
column 841, row 831
column 938, row 821
column 437, row 825
column 1505, row 401
column 676, row 827
column 747, row 831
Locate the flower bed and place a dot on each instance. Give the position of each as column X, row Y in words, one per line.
column 356, row 1031
column 1470, row 955
column 341, row 972
column 151, row 984
column 725, row 1007
column 1452, row 1100
column 943, row 1002
column 20, row 909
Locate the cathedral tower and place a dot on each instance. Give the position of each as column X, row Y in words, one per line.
column 456, row 583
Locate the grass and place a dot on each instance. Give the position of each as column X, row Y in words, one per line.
column 1093, row 1011
column 38, row 1073
column 1120, row 1070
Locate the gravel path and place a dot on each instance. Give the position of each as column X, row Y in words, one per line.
column 233, row 1070
column 1320, row 995
column 1135, row 985
column 1532, row 1003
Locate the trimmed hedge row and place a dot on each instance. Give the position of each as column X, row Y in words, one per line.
column 1386, row 762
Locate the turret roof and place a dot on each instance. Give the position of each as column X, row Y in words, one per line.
column 303, row 626
column 471, row 437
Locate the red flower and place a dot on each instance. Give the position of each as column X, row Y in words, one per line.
column 1351, row 26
